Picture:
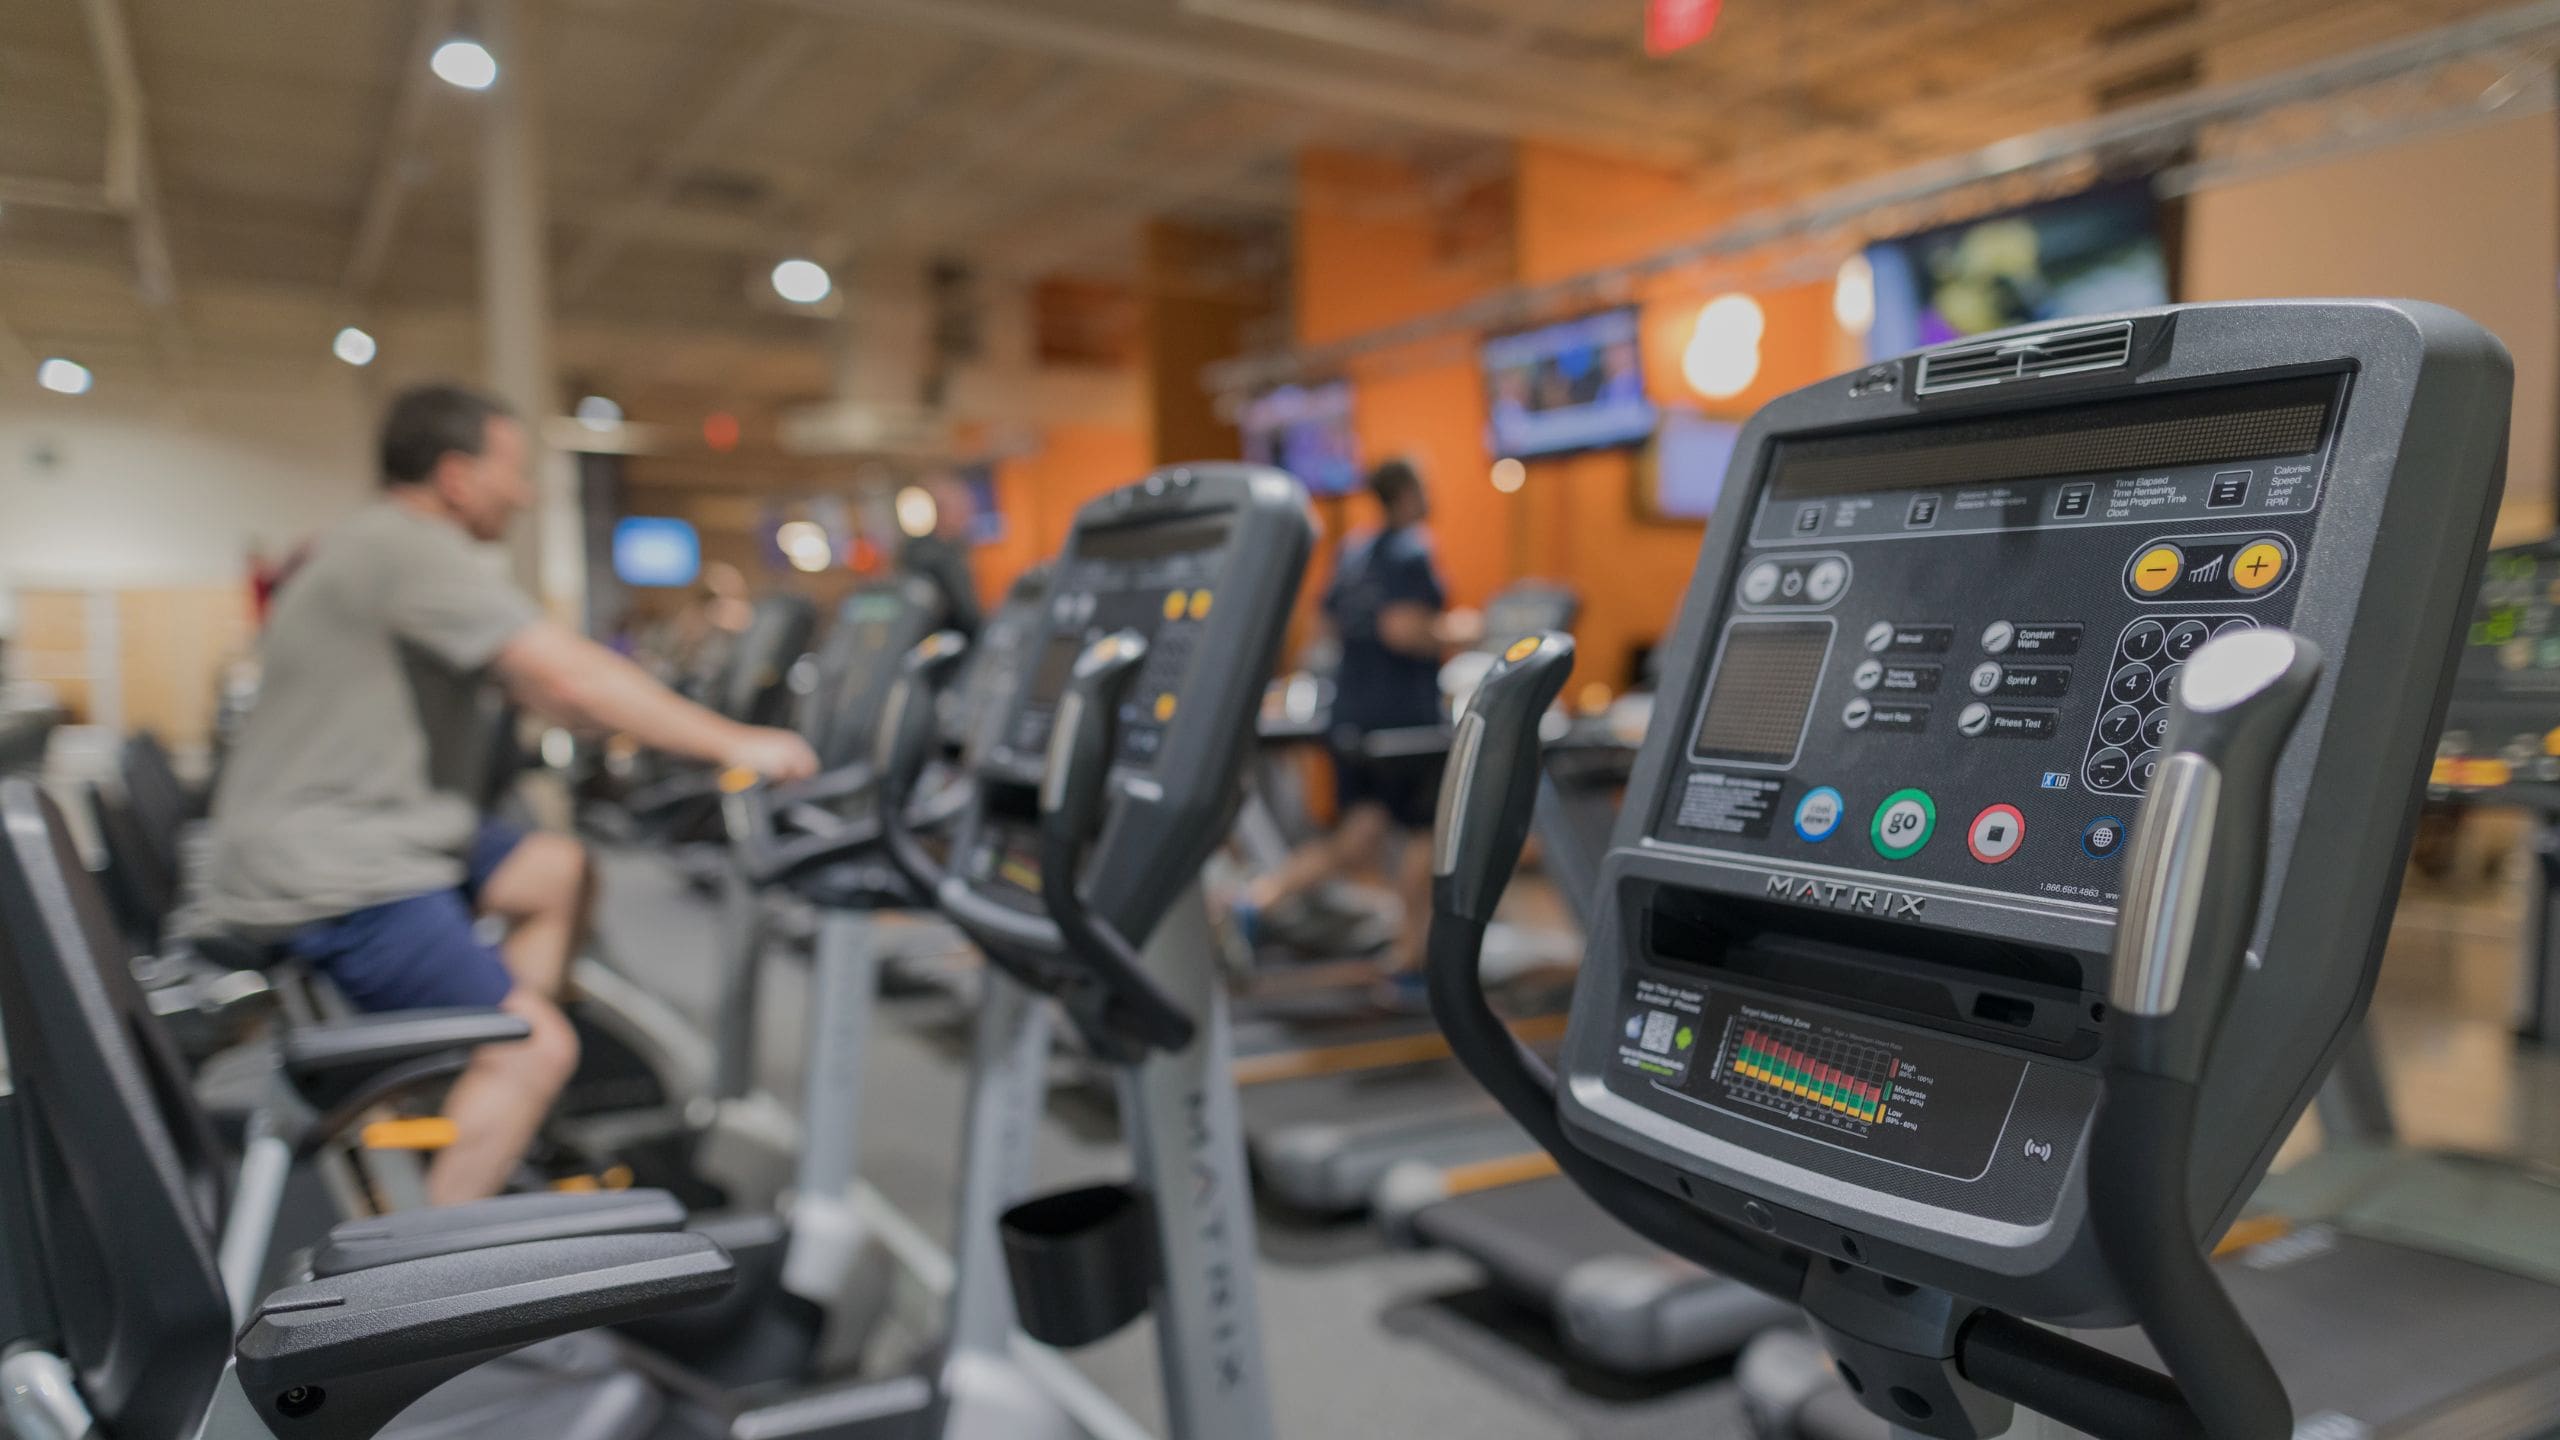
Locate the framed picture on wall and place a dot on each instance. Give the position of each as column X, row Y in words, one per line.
column 1680, row 472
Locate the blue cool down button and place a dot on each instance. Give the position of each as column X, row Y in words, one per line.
column 1818, row 814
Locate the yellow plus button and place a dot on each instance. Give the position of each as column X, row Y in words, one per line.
column 2258, row 565
column 2156, row 569
column 1164, row 706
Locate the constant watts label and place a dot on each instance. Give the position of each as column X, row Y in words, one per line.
column 1730, row 804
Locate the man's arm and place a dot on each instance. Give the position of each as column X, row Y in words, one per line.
column 1409, row 628
column 565, row 677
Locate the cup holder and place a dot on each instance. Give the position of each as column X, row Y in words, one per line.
column 1083, row 1262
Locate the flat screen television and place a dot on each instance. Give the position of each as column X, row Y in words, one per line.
column 655, row 551
column 1575, row 385
column 2086, row 254
column 986, row 509
column 1305, row 430
column 1684, row 468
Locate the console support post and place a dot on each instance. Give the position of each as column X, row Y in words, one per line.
column 1186, row 1134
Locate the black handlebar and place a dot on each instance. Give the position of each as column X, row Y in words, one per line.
column 2193, row 879
column 906, row 741
column 1484, row 817
column 1082, row 740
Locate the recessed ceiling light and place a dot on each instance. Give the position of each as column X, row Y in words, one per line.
column 466, row 63
column 64, row 377
column 802, row 282
column 354, row 346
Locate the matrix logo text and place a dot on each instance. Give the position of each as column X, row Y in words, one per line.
column 1833, row 895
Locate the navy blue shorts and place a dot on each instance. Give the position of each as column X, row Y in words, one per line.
column 420, row 952
column 1406, row 786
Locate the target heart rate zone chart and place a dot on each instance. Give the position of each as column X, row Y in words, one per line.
column 1816, row 1078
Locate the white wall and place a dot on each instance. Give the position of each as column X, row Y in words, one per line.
column 102, row 491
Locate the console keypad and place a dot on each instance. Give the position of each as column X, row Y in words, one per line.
column 2142, row 678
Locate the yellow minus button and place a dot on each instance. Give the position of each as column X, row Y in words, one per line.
column 1173, row 604
column 1164, row 706
column 2259, row 564
column 2156, row 569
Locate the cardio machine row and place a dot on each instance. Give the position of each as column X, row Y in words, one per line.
column 1079, row 783
column 1940, row 1107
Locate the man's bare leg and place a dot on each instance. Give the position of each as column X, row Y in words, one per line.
column 545, row 891
column 1413, row 887
column 500, row 1100
column 1353, row 847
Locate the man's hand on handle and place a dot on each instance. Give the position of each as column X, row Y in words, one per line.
column 776, row 755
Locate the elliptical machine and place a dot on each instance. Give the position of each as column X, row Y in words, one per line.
column 1114, row 776
column 2159, row 609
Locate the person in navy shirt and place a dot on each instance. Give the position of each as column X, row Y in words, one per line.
column 1389, row 611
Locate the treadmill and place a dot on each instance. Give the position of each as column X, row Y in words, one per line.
column 2175, row 598
column 1325, row 1138
column 1336, row 1093
column 2501, row 746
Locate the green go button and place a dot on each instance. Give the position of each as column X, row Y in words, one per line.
column 1903, row 823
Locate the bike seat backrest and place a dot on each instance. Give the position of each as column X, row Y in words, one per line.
column 122, row 1168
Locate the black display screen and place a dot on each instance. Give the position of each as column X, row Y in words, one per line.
column 1905, row 1098
column 2195, row 427
column 1151, row 541
column 1763, row 685
column 1056, row 663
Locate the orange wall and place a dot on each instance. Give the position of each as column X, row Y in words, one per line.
column 1578, row 212
column 1370, row 253
column 1039, row 493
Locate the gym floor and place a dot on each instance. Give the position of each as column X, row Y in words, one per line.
column 1363, row 1339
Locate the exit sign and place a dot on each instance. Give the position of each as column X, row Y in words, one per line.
column 1677, row 24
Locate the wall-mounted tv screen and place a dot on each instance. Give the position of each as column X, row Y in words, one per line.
column 1574, row 385
column 1305, row 430
column 655, row 550
column 1686, row 466
column 2086, row 254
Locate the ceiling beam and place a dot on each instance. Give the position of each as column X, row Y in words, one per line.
column 1492, row 58
column 395, row 165
column 41, row 193
column 739, row 100
column 132, row 185
column 957, row 174
column 1427, row 104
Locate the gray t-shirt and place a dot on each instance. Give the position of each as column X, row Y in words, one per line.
column 355, row 780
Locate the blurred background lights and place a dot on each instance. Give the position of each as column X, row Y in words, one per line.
column 1723, row 357
column 804, row 543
